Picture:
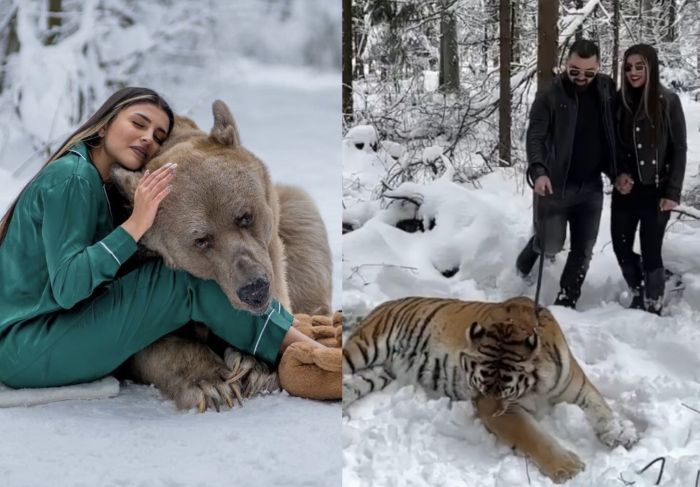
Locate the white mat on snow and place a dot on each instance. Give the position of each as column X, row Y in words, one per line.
column 106, row 387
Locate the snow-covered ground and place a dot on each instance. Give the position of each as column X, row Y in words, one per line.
column 290, row 118
column 647, row 366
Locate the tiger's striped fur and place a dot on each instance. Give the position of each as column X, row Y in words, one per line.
column 500, row 355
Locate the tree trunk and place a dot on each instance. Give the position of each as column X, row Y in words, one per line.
column 347, row 60
column 54, row 22
column 669, row 9
column 485, row 43
column 359, row 42
column 359, row 38
column 515, row 23
column 11, row 46
column 646, row 21
column 547, row 16
column 504, row 103
column 616, row 41
column 449, row 56
column 697, row 44
column 579, row 29
column 593, row 31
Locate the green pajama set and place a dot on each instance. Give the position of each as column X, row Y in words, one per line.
column 64, row 315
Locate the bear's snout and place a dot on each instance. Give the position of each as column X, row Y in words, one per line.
column 254, row 293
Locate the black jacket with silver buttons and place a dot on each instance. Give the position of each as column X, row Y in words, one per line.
column 661, row 163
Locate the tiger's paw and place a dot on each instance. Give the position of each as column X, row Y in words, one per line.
column 350, row 394
column 562, row 466
column 617, row 431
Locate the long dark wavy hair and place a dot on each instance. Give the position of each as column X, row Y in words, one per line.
column 651, row 103
column 88, row 132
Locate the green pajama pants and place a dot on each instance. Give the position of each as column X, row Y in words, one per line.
column 94, row 337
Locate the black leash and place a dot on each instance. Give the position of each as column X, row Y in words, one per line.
column 539, row 282
column 540, row 238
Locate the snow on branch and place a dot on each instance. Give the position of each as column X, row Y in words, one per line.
column 576, row 20
column 687, row 211
column 7, row 18
column 405, row 194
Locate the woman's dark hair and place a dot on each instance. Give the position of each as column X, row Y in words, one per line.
column 650, row 102
column 88, row 132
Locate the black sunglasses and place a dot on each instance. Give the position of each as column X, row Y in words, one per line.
column 588, row 73
column 637, row 67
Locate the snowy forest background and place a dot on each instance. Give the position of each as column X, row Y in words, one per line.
column 59, row 59
column 427, row 73
column 436, row 101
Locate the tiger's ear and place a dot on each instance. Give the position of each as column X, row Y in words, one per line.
column 126, row 181
column 542, row 317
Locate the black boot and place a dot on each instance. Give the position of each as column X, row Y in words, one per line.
column 526, row 259
column 637, row 298
column 655, row 282
column 567, row 298
column 633, row 276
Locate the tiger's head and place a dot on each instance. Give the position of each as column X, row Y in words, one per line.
column 502, row 350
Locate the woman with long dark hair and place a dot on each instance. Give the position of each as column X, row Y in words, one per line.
column 651, row 165
column 65, row 314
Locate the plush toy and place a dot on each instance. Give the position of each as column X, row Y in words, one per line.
column 313, row 372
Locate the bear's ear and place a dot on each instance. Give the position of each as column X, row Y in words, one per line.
column 125, row 180
column 224, row 131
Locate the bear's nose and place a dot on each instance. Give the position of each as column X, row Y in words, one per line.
column 254, row 293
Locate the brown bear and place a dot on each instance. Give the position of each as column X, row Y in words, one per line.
column 275, row 247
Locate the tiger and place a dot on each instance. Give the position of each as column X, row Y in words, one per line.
column 510, row 361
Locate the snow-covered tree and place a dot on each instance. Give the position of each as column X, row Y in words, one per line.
column 397, row 52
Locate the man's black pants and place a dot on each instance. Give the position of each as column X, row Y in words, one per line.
column 580, row 206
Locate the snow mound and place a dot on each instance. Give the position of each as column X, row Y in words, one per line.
column 363, row 138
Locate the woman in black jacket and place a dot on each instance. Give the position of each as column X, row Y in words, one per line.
column 651, row 165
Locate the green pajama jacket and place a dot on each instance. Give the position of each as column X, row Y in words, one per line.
column 65, row 318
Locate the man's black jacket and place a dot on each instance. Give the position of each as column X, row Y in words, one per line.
column 550, row 135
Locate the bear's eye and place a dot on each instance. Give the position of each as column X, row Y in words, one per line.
column 203, row 243
column 244, row 221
